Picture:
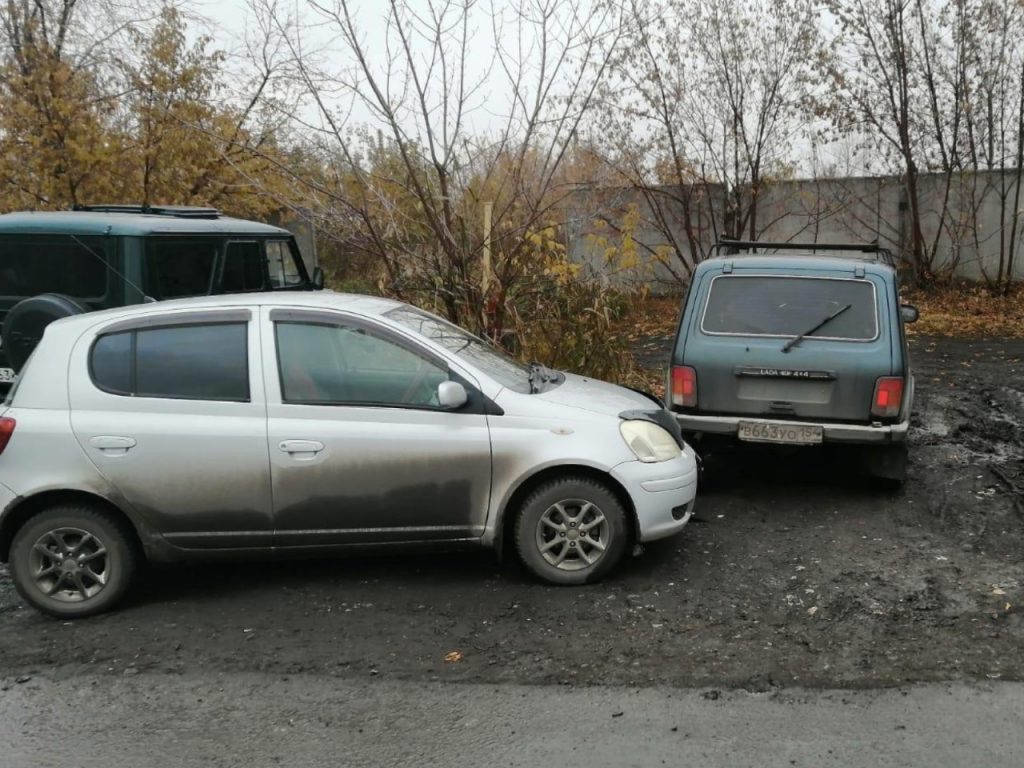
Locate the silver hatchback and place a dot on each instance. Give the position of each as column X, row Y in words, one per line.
column 307, row 424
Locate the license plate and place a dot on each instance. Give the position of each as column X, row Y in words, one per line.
column 6, row 375
column 766, row 432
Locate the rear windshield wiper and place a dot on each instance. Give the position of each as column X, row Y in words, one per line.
column 797, row 339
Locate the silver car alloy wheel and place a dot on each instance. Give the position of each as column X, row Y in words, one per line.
column 572, row 534
column 69, row 564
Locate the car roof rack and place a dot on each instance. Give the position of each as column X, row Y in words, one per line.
column 729, row 247
column 177, row 211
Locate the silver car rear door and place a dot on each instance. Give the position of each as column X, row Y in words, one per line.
column 181, row 433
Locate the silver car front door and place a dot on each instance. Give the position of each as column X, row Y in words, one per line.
column 361, row 451
column 171, row 411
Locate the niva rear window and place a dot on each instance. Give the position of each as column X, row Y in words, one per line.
column 764, row 305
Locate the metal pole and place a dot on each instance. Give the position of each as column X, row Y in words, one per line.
column 486, row 277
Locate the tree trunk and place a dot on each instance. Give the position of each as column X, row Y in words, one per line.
column 921, row 265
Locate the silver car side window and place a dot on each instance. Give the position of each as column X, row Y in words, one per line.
column 328, row 364
column 202, row 361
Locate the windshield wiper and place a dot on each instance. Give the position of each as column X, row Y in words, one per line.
column 797, row 339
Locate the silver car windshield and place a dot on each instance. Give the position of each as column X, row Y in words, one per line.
column 472, row 349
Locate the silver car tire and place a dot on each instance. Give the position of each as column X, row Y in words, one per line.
column 571, row 531
column 73, row 561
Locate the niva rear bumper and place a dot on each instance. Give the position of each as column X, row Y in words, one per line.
column 831, row 432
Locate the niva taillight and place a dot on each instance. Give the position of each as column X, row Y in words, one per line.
column 684, row 386
column 888, row 397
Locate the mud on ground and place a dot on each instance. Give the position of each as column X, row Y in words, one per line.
column 795, row 572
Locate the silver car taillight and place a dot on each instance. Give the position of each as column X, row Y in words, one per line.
column 7, row 425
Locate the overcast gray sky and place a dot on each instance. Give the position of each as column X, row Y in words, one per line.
column 228, row 20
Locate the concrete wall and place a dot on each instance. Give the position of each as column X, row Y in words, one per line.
column 840, row 210
column 968, row 239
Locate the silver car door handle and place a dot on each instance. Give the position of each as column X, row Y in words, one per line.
column 111, row 445
column 301, row 446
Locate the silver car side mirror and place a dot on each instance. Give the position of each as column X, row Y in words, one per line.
column 451, row 395
column 909, row 313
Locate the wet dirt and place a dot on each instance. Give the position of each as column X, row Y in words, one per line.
column 797, row 571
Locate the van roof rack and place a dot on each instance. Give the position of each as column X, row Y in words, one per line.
column 177, row 211
column 873, row 251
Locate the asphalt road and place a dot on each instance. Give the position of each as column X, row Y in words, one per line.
column 256, row 720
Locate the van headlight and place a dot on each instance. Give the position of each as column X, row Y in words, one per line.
column 648, row 441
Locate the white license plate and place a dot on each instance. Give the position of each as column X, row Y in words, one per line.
column 6, row 375
column 766, row 432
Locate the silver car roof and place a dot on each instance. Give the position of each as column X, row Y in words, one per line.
column 351, row 302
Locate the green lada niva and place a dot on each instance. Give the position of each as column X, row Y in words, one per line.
column 796, row 345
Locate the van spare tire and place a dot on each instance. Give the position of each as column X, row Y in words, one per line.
column 25, row 323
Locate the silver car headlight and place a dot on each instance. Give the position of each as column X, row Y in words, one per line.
column 648, row 441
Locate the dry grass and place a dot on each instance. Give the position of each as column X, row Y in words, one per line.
column 962, row 309
column 654, row 316
column 653, row 321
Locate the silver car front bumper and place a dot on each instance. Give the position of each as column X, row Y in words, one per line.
column 832, row 433
column 662, row 493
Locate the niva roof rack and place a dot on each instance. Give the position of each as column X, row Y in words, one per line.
column 177, row 211
column 869, row 251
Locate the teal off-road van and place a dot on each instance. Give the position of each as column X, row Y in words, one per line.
column 61, row 263
column 796, row 344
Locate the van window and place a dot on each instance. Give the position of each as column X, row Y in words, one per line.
column 785, row 306
column 178, row 267
column 73, row 265
column 243, row 268
column 284, row 270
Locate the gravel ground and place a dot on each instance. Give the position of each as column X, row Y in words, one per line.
column 795, row 573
